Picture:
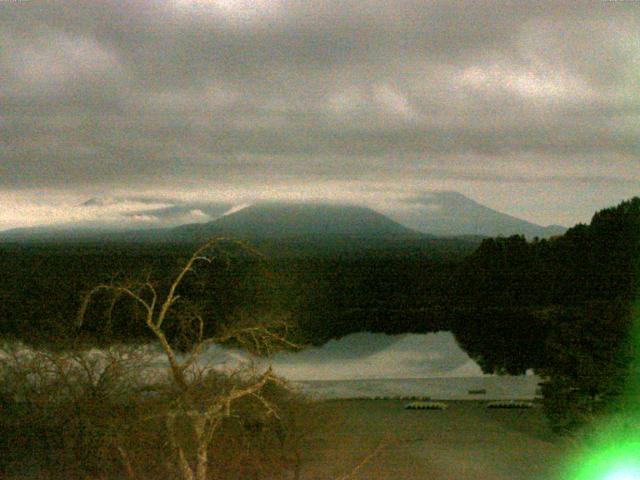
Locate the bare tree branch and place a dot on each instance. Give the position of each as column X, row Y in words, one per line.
column 381, row 446
column 113, row 289
column 126, row 462
column 171, row 296
column 205, row 418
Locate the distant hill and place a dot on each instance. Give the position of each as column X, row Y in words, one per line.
column 453, row 214
column 300, row 220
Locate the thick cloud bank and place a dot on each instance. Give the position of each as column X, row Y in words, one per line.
column 529, row 107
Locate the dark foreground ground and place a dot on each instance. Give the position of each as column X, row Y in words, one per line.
column 466, row 441
column 381, row 440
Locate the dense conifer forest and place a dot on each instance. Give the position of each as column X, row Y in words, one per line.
column 513, row 304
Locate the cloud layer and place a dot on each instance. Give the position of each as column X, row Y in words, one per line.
column 508, row 102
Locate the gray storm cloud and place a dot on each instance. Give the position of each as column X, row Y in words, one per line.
column 495, row 99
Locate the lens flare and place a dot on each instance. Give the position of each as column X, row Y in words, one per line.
column 620, row 462
column 624, row 474
column 614, row 451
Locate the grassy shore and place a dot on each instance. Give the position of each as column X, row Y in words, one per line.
column 466, row 441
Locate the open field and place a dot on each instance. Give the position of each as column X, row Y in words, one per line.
column 466, row 441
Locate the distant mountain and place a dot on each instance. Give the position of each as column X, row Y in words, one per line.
column 301, row 220
column 277, row 230
column 265, row 221
column 146, row 219
column 453, row 214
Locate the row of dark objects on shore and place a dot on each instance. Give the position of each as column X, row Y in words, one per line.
column 425, row 403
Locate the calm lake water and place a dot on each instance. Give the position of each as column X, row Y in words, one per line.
column 438, row 368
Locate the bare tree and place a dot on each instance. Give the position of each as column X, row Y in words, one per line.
column 203, row 414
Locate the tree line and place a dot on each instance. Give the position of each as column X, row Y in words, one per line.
column 563, row 307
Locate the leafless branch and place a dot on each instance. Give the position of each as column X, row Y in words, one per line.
column 263, row 336
column 381, row 446
column 126, row 462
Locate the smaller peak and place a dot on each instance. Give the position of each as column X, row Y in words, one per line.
column 101, row 201
column 93, row 202
column 97, row 202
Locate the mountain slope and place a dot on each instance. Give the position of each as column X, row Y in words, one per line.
column 453, row 214
column 294, row 220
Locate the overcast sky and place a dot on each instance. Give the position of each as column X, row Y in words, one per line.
column 531, row 108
